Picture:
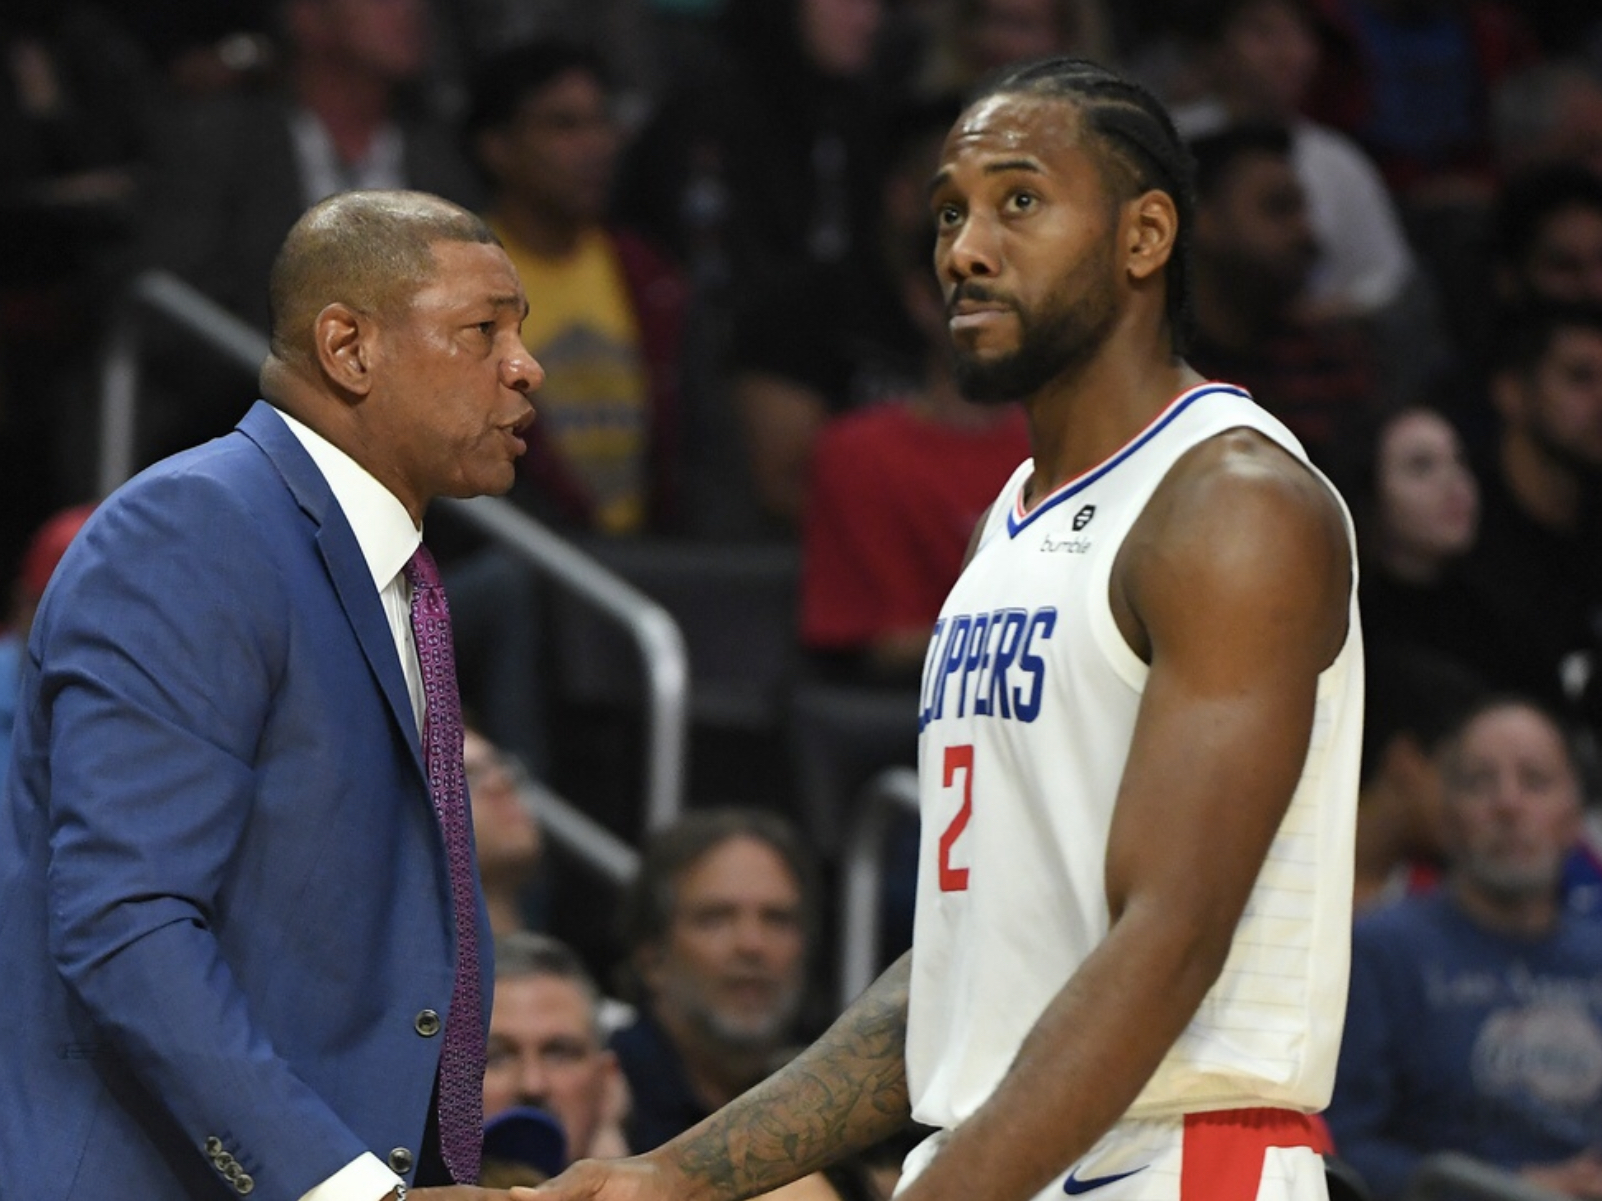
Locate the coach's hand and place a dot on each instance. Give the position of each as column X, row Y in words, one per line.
column 457, row 1192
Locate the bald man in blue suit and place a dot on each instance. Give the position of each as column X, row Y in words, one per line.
column 227, row 937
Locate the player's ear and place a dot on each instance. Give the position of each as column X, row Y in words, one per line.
column 1151, row 227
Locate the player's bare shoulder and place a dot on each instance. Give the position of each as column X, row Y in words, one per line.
column 1242, row 468
column 1240, row 524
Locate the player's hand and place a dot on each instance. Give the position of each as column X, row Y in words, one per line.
column 640, row 1178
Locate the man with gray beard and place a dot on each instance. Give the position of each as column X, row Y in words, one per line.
column 1474, row 1021
column 717, row 926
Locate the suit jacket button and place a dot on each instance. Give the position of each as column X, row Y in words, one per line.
column 244, row 1184
column 213, row 1146
column 400, row 1161
column 427, row 1023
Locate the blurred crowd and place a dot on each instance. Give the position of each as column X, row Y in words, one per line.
column 718, row 210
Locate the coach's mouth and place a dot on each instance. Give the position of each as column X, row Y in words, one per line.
column 515, row 432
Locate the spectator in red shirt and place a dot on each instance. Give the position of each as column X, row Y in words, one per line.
column 895, row 493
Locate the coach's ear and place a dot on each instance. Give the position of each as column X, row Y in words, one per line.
column 344, row 340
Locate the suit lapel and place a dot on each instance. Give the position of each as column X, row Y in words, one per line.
column 342, row 556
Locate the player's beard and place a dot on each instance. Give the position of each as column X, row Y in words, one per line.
column 1054, row 342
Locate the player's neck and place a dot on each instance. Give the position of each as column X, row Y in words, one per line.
column 1085, row 418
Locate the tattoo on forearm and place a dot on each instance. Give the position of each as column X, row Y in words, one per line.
column 845, row 1092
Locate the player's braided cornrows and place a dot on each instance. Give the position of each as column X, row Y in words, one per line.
column 1141, row 144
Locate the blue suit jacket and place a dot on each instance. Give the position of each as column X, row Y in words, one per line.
column 224, row 899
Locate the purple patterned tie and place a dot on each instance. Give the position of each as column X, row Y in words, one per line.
column 461, row 1065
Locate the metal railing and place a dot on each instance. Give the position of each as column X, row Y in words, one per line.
column 615, row 860
column 656, row 634
column 652, row 628
column 892, row 792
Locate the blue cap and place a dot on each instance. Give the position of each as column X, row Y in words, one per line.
column 529, row 1136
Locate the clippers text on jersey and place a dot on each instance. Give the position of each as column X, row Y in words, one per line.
column 986, row 663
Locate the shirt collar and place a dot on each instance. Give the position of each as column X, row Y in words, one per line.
column 382, row 526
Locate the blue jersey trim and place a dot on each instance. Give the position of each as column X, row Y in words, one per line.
column 1016, row 524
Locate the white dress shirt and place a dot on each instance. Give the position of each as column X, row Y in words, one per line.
column 387, row 538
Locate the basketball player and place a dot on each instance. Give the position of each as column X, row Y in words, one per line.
column 1140, row 728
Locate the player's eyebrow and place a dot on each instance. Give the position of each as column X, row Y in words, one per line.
column 1002, row 166
column 999, row 167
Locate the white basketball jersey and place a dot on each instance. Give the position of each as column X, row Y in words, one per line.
column 1027, row 711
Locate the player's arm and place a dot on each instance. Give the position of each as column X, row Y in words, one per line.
column 845, row 1092
column 1234, row 586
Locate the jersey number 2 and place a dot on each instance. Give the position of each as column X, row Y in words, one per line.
column 958, row 758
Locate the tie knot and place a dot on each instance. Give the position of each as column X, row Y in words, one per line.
column 421, row 571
